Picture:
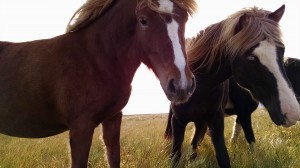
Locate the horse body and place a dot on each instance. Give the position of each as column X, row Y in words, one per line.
column 292, row 69
column 244, row 104
column 83, row 78
column 247, row 46
column 25, row 111
column 75, row 81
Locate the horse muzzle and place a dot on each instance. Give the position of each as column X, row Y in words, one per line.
column 178, row 92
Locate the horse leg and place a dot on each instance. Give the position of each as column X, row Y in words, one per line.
column 80, row 142
column 168, row 132
column 236, row 131
column 245, row 121
column 244, row 105
column 111, row 136
column 200, row 130
column 216, row 126
column 178, row 129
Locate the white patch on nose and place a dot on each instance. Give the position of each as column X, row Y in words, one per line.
column 267, row 55
column 172, row 27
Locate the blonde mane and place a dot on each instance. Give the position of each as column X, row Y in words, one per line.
column 220, row 38
column 88, row 12
column 92, row 9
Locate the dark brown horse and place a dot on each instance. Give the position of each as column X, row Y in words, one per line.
column 83, row 78
column 248, row 46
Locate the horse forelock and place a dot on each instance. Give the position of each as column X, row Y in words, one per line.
column 257, row 28
column 220, row 39
column 92, row 9
column 188, row 5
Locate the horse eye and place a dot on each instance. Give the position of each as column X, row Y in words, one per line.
column 168, row 19
column 251, row 58
column 143, row 21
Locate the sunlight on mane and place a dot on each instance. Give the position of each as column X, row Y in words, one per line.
column 92, row 9
column 88, row 12
column 220, row 38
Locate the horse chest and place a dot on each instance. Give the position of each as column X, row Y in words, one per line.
column 114, row 105
column 203, row 104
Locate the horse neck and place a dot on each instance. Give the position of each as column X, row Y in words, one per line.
column 219, row 72
column 112, row 35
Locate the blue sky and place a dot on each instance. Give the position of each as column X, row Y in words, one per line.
column 25, row 20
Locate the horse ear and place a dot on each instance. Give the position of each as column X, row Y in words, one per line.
column 276, row 16
column 242, row 21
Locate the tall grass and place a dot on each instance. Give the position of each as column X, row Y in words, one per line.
column 142, row 145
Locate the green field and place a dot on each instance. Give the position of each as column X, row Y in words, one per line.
column 143, row 146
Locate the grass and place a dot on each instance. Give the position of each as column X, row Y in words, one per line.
column 142, row 145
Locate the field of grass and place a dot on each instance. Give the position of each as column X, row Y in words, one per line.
column 143, row 146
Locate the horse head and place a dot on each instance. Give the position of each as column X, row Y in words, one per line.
column 261, row 67
column 161, row 44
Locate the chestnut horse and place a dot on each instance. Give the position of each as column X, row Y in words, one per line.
column 82, row 78
column 242, row 104
column 248, row 46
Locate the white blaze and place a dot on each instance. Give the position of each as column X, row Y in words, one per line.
column 172, row 27
column 266, row 53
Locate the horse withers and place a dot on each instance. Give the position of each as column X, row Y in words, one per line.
column 243, row 104
column 82, row 78
column 248, row 46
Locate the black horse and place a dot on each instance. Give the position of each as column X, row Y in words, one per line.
column 245, row 44
column 242, row 104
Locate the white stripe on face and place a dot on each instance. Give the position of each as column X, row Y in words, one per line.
column 179, row 60
column 267, row 55
column 172, row 27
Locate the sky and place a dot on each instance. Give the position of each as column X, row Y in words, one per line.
column 26, row 20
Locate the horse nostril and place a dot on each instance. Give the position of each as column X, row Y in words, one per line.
column 171, row 86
